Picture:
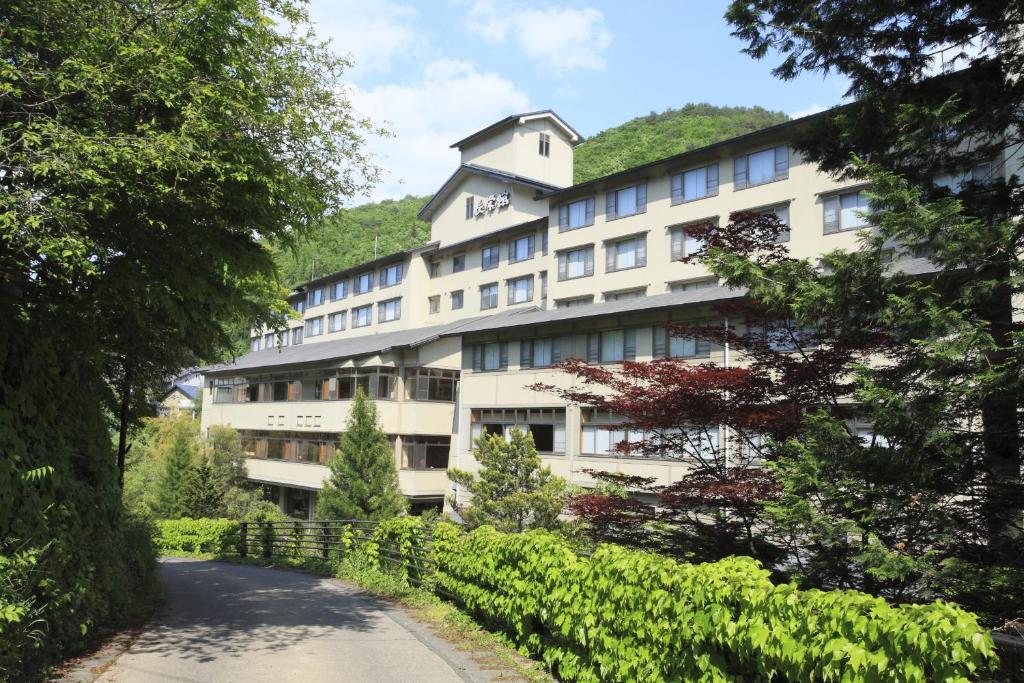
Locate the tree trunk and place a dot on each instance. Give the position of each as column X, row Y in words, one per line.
column 122, row 435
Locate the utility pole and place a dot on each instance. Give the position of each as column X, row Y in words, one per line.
column 312, row 268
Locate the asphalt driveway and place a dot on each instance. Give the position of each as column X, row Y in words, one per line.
column 228, row 622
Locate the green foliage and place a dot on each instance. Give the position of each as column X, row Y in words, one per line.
column 219, row 536
column 175, row 475
column 512, row 490
column 656, row 136
column 202, row 495
column 628, row 615
column 363, row 483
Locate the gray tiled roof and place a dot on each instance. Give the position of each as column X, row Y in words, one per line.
column 467, row 169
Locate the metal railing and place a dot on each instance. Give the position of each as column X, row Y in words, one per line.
column 334, row 540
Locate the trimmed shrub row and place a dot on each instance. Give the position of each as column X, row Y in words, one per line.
column 628, row 615
column 197, row 536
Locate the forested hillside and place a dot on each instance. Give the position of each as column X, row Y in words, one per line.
column 348, row 237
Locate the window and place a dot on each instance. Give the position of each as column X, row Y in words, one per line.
column 428, row 384
column 361, row 315
column 576, row 215
column 458, row 263
column 782, row 211
column 339, row 290
column 955, row 182
column 575, row 301
column 696, row 184
column 692, row 285
column 336, row 321
column 487, row 357
column 391, row 276
column 300, row 305
column 457, row 299
column 268, row 340
column 390, row 310
column 625, row 254
column 761, row 167
column 842, row 212
column 296, row 336
column 544, row 242
column 626, row 202
column 611, row 346
column 314, row 327
column 314, row 297
column 539, row 353
column 434, row 269
column 520, row 290
column 626, row 294
column 684, row 243
column 425, row 452
column 520, row 249
column 434, row 303
column 545, row 425
column 363, row 283
column 469, row 207
column 489, row 257
column 544, row 285
column 668, row 345
column 545, row 145
column 576, row 263
column 489, row 296
column 782, row 335
column 254, row 344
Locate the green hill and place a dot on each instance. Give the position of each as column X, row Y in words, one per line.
column 347, row 238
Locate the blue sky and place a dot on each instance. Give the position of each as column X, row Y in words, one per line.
column 433, row 72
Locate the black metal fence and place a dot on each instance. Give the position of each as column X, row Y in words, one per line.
column 411, row 556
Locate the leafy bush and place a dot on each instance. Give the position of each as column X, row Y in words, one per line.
column 197, row 535
column 629, row 615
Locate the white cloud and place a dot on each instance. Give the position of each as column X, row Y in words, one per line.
column 813, row 109
column 561, row 38
column 374, row 34
column 451, row 100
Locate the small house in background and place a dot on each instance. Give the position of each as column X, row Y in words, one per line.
column 179, row 397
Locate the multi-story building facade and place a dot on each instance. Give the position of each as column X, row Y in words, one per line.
column 524, row 269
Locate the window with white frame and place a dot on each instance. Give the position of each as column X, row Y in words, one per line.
column 362, row 316
column 626, row 201
column 490, row 257
column 314, row 327
column 625, row 254
column 389, row 310
column 336, row 321
column 391, row 275
column 434, row 304
column 520, row 249
column 611, row 346
column 362, row 283
column 575, row 215
column 544, row 145
column 268, row 340
column 457, row 299
column 315, row 297
column 576, row 263
column 489, row 296
column 695, row 184
column 296, row 336
column 545, row 425
column 520, row 290
column 254, row 344
column 339, row 290
column 761, row 167
column 845, row 212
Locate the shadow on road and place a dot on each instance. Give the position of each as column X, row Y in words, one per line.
column 214, row 612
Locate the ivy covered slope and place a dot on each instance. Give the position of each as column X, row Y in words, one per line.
column 347, row 237
column 655, row 136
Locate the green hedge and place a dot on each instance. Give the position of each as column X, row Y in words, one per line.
column 625, row 615
column 197, row 536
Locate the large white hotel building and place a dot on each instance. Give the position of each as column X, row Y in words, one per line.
column 523, row 269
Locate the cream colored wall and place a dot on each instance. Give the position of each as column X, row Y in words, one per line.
column 554, row 169
column 493, row 151
column 450, row 225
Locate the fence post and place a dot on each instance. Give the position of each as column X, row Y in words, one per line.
column 268, row 538
column 325, row 541
column 243, row 549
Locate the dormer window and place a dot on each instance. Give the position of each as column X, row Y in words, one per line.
column 545, row 145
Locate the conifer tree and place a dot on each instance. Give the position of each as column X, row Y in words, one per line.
column 512, row 492
column 364, row 481
column 178, row 465
column 202, row 495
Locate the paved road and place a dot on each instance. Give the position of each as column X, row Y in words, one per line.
column 227, row 622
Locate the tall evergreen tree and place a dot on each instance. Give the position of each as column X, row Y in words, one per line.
column 202, row 494
column 512, row 490
column 364, row 481
column 179, row 462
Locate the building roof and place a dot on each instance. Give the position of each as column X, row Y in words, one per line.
column 535, row 224
column 574, row 137
column 190, row 390
column 474, row 169
column 358, row 268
